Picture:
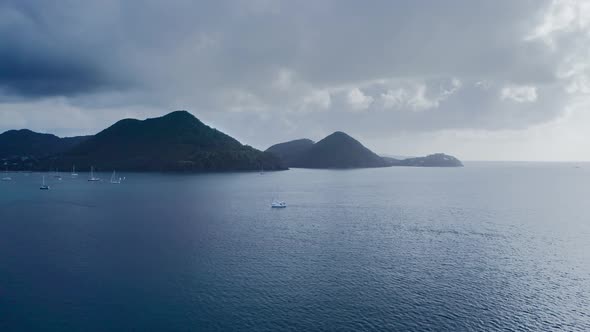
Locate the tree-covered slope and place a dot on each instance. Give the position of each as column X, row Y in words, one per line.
column 175, row 142
column 290, row 152
column 338, row 150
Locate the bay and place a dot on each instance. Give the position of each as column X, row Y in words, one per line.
column 491, row 246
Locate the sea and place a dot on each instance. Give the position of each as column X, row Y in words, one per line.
column 486, row 247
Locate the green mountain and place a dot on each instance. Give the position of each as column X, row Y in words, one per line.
column 337, row 150
column 21, row 149
column 175, row 142
column 290, row 151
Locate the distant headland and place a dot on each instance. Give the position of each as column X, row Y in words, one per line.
column 339, row 150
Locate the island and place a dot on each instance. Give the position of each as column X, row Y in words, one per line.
column 339, row 150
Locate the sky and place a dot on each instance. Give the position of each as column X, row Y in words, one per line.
column 481, row 80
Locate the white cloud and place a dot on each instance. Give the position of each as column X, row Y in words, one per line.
column 358, row 101
column 416, row 96
column 394, row 98
column 579, row 84
column 456, row 84
column 562, row 16
column 284, row 79
column 519, row 93
column 316, row 100
column 420, row 102
column 565, row 29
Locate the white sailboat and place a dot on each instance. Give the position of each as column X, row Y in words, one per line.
column 43, row 185
column 74, row 174
column 6, row 177
column 114, row 178
column 276, row 204
column 92, row 178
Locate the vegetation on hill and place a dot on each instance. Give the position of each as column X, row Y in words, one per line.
column 27, row 143
column 22, row 149
column 175, row 142
column 290, row 151
column 339, row 150
column 178, row 141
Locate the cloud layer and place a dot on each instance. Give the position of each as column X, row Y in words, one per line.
column 271, row 70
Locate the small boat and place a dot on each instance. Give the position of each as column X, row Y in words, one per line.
column 278, row 204
column 43, row 185
column 57, row 175
column 114, row 178
column 92, row 178
column 74, row 174
column 7, row 177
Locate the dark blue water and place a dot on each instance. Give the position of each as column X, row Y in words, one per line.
column 485, row 247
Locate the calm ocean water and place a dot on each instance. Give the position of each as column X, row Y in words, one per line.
column 492, row 246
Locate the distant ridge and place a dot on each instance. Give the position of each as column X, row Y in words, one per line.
column 432, row 160
column 339, row 150
column 23, row 148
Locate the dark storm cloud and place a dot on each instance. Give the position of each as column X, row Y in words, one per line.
column 38, row 59
column 31, row 75
column 68, row 47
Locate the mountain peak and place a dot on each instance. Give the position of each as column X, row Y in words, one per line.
column 339, row 136
column 23, row 132
column 175, row 141
column 339, row 133
column 180, row 114
column 337, row 150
